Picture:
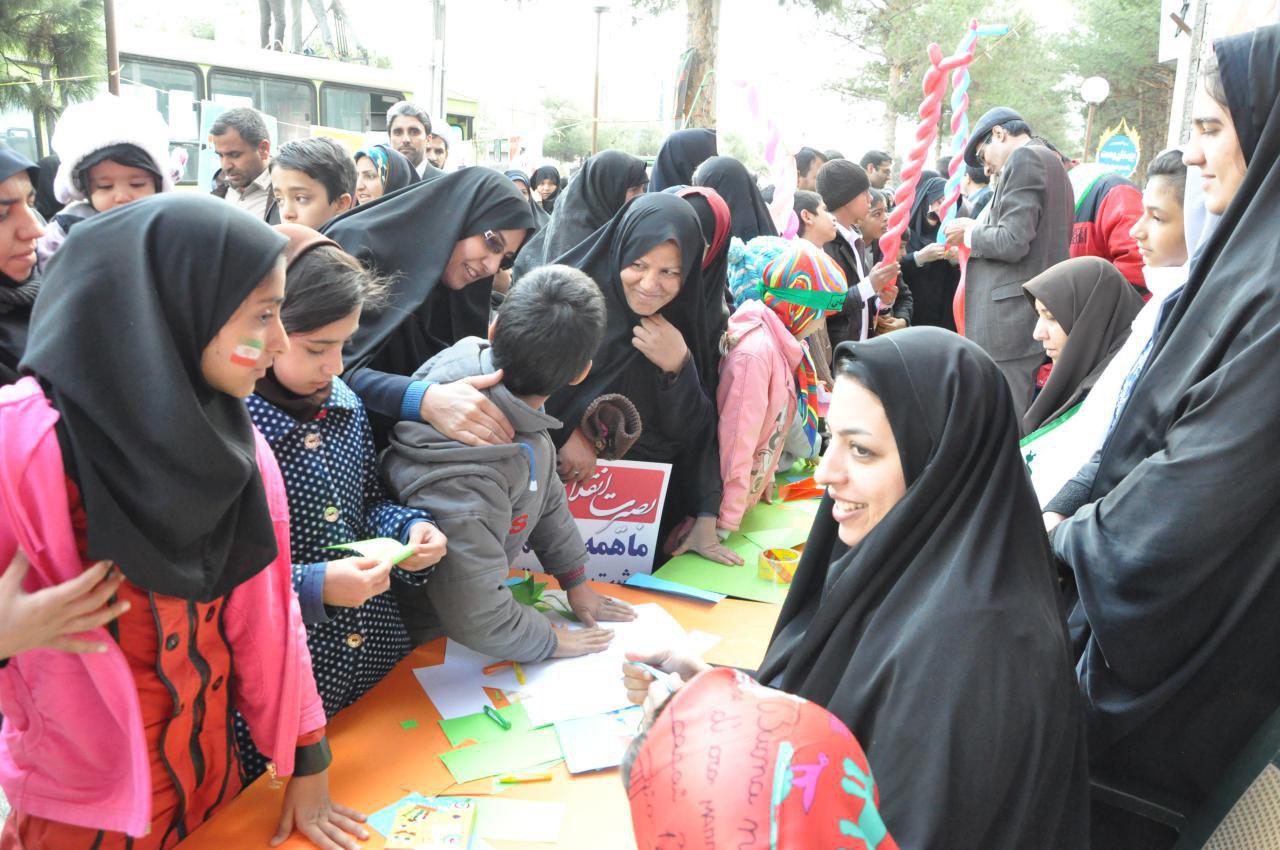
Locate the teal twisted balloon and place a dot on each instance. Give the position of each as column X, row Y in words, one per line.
column 960, row 120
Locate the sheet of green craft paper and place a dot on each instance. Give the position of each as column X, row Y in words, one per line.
column 510, row 754
column 742, row 582
column 480, row 727
column 796, row 515
column 382, row 548
column 778, row 538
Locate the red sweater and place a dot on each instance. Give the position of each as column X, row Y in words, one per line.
column 1103, row 220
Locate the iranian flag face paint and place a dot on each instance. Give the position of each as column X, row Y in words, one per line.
column 247, row 352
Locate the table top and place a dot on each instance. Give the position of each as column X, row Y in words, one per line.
column 376, row 761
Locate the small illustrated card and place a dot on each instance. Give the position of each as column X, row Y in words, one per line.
column 434, row 825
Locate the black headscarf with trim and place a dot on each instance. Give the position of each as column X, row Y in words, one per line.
column 618, row 367
column 938, row 638
column 165, row 463
column 411, row 234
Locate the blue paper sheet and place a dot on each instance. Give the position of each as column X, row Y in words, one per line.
column 662, row 585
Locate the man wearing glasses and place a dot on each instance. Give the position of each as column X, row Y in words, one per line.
column 1025, row 230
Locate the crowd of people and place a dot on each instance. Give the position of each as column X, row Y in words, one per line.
column 205, row 394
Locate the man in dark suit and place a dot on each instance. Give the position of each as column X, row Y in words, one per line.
column 844, row 186
column 1026, row 230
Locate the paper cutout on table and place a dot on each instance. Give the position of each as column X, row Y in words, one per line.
column 804, row 488
column 740, row 581
column 496, row 819
column 509, row 754
column 408, row 724
column 556, row 689
column 380, row 548
column 433, row 825
column 648, row 582
column 480, row 727
column 600, row 741
column 797, row 515
column 778, row 538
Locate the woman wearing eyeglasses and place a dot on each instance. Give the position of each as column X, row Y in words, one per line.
column 648, row 263
column 442, row 241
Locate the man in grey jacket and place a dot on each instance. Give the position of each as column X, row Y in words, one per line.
column 492, row 500
column 1026, row 230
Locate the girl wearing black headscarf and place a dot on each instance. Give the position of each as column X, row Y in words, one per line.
column 177, row 491
column 1092, row 306
column 648, row 263
column 924, row 612
column 747, row 208
column 381, row 170
column 606, row 182
column 681, row 153
column 20, row 229
column 547, row 183
column 443, row 241
column 1177, row 557
column 926, row 270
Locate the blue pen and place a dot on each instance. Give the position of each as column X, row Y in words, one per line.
column 657, row 674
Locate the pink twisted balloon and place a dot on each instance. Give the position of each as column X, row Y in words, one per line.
column 934, row 86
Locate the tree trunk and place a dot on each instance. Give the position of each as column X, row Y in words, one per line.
column 702, row 35
column 890, row 121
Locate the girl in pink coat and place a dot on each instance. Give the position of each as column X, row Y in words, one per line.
column 768, row 382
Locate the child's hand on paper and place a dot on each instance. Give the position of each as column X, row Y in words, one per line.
column 644, row 689
column 574, row 642
column 308, row 809
column 590, row 606
column 350, row 582
column 429, row 544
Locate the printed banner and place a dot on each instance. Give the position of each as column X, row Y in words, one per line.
column 617, row 511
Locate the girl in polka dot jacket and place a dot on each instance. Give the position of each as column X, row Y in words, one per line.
column 321, row 437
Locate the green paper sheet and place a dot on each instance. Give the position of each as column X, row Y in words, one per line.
column 742, row 582
column 480, row 728
column 511, row 754
column 793, row 515
column 381, row 548
column 408, row 724
column 778, row 538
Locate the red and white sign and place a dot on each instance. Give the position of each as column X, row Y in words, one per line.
column 617, row 511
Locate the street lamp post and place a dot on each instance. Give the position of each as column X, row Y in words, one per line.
column 595, row 101
column 1094, row 91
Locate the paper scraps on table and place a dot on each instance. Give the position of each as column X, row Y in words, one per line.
column 408, row 724
column 379, row 548
column 556, row 689
column 497, row 818
column 598, row 742
column 479, row 728
column 648, row 582
column 512, row 753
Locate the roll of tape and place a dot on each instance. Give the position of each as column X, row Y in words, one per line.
column 778, row 565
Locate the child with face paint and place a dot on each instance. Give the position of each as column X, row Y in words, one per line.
column 768, row 379
column 318, row 430
column 146, row 543
column 113, row 151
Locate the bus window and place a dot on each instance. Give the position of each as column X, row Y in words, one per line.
column 173, row 90
column 18, row 133
column 358, row 110
column 291, row 102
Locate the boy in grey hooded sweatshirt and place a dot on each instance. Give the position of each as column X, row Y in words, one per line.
column 492, row 500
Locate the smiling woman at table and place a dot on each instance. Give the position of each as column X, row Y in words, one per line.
column 923, row 613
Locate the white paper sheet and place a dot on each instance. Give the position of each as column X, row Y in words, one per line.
column 600, row 741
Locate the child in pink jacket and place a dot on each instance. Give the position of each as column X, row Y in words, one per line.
column 144, row 542
column 768, row 382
